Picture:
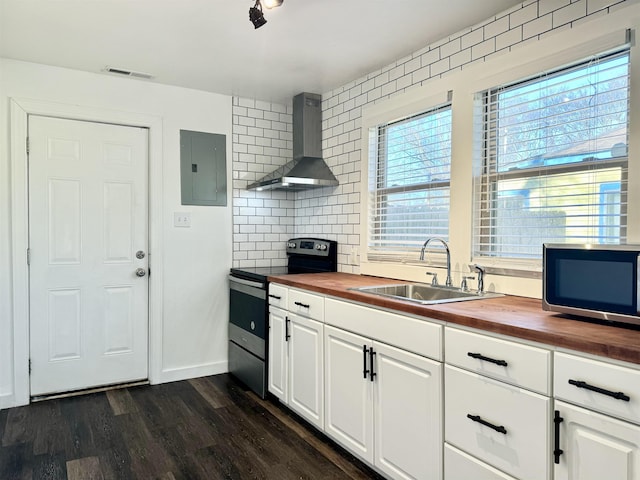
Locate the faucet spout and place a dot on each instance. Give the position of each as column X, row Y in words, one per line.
column 448, row 282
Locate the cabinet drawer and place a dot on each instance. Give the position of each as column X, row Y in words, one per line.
column 278, row 295
column 519, row 448
column 599, row 379
column 458, row 465
column 306, row 304
column 416, row 335
column 507, row 361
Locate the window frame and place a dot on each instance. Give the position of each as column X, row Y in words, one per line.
column 490, row 176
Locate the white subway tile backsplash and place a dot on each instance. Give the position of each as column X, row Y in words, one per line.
column 569, row 13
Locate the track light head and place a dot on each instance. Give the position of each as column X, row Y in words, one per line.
column 256, row 16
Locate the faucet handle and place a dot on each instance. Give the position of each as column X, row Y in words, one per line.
column 464, row 286
column 434, row 280
column 480, row 270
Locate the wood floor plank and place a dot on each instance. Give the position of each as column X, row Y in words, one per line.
column 121, row 401
column 210, row 393
column 87, row 468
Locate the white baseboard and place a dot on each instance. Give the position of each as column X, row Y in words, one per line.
column 194, row 371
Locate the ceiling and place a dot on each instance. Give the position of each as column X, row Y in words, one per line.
column 211, row 45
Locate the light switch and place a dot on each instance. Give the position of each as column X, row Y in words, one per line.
column 182, row 219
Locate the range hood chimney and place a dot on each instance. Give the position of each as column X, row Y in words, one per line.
column 307, row 169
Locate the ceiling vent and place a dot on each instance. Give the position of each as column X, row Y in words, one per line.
column 127, row 73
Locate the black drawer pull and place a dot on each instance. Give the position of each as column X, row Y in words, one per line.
column 372, row 374
column 275, row 296
column 365, row 371
column 303, row 305
column 557, row 451
column 478, row 418
column 479, row 356
column 287, row 336
column 609, row 393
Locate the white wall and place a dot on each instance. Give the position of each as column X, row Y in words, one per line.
column 195, row 261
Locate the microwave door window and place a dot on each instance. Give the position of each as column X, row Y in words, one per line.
column 597, row 284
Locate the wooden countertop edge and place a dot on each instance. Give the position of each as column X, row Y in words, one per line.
column 521, row 317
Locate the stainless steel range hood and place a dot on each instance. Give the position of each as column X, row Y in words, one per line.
column 307, row 169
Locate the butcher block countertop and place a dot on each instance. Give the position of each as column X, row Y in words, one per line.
column 509, row 315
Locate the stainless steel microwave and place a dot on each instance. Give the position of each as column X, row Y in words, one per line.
column 596, row 281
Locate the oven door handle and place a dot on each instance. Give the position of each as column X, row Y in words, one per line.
column 248, row 283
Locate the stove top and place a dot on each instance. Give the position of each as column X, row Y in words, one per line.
column 259, row 274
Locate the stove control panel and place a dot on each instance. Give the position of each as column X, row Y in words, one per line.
column 310, row 246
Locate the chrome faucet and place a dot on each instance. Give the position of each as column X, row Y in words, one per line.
column 448, row 281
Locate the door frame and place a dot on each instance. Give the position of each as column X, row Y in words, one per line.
column 20, row 109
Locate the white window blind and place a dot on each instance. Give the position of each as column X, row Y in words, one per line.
column 554, row 160
column 409, row 177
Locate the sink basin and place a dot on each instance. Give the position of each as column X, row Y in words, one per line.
column 425, row 294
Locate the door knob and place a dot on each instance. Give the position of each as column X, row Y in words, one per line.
column 139, row 254
column 140, row 272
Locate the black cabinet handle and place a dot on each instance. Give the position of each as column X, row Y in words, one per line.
column 286, row 329
column 365, row 371
column 303, row 305
column 557, row 420
column 609, row 393
column 372, row 354
column 479, row 419
column 277, row 297
column 479, row 356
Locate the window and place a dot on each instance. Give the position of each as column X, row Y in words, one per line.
column 409, row 176
column 554, row 161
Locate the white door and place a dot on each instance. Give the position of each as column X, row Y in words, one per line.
column 278, row 353
column 87, row 220
column 306, row 369
column 408, row 414
column 596, row 447
column 349, row 391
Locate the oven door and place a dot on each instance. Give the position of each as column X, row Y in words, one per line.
column 247, row 332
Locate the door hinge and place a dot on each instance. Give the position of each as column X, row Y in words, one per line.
column 28, row 256
column 29, row 366
column 27, row 144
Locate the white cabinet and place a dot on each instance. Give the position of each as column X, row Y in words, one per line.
column 590, row 443
column 278, row 369
column 497, row 408
column 384, row 404
column 296, row 367
column 595, row 446
column 306, row 369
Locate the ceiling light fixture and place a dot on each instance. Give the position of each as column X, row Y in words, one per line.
column 255, row 13
column 256, row 16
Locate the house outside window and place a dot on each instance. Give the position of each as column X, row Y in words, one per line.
column 409, row 183
column 554, row 161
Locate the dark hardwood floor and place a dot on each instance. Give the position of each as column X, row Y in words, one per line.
column 208, row 428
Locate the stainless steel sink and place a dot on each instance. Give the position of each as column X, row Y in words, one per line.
column 425, row 294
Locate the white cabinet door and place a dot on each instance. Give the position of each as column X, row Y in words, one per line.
column 306, row 372
column 596, row 447
column 348, row 392
column 408, row 414
column 461, row 466
column 278, row 353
